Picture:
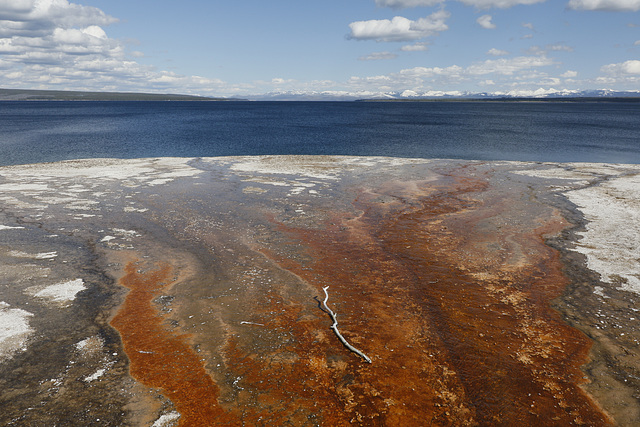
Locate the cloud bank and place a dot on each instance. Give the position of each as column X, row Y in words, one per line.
column 57, row 44
column 498, row 4
column 449, row 78
column 402, row 4
column 606, row 5
column 480, row 4
column 37, row 18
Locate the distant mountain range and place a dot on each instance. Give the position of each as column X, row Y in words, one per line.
column 407, row 95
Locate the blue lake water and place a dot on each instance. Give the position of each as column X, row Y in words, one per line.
column 33, row 132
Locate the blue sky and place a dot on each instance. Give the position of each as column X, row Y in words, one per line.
column 360, row 47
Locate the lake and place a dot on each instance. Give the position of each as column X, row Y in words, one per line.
column 34, row 132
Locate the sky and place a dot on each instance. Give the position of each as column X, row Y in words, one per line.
column 246, row 48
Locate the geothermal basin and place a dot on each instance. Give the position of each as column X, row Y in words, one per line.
column 174, row 291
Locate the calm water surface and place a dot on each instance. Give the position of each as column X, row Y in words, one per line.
column 32, row 132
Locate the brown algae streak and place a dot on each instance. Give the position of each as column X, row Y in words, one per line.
column 160, row 358
column 451, row 298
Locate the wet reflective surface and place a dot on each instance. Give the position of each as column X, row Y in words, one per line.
column 202, row 287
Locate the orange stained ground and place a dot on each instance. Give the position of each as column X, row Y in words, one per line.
column 160, row 358
column 449, row 291
column 446, row 285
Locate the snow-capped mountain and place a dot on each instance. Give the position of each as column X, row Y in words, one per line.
column 413, row 95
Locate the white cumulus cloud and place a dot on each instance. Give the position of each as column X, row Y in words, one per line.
column 524, row 72
column 55, row 44
column 416, row 47
column 537, row 50
column 454, row 71
column 497, row 52
column 38, row 17
column 631, row 67
column 15, row 7
column 399, row 28
column 485, row 22
column 504, row 66
column 480, row 4
column 499, row 4
column 610, row 5
column 377, row 56
column 559, row 48
column 401, row 4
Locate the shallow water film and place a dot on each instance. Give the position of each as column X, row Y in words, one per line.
column 202, row 291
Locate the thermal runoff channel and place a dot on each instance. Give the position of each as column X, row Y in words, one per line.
column 318, row 290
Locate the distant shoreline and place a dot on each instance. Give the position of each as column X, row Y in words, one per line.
column 61, row 95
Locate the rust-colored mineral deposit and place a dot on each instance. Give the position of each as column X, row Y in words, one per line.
column 448, row 289
column 445, row 283
column 160, row 358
